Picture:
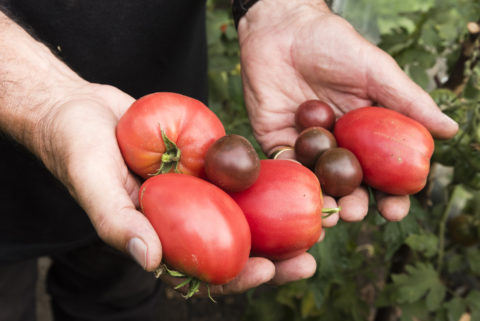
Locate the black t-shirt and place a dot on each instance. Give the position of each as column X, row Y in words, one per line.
column 139, row 46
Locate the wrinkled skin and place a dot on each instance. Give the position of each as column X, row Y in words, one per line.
column 293, row 51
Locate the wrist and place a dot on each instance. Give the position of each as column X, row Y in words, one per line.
column 267, row 13
column 32, row 83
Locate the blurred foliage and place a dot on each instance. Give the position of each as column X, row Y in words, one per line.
column 427, row 266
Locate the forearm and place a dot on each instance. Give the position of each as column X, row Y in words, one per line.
column 32, row 81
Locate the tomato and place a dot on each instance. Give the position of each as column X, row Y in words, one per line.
column 312, row 142
column 338, row 171
column 393, row 149
column 203, row 232
column 232, row 163
column 283, row 208
column 314, row 113
column 165, row 132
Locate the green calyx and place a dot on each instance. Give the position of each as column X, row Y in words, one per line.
column 171, row 156
column 192, row 283
column 329, row 211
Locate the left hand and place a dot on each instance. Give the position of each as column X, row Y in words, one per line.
column 295, row 50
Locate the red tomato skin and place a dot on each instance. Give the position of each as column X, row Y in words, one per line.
column 202, row 230
column 393, row 149
column 186, row 121
column 283, row 208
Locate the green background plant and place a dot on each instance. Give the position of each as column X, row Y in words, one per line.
column 426, row 267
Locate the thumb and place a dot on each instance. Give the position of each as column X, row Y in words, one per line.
column 389, row 86
column 117, row 222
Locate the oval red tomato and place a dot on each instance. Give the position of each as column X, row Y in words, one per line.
column 283, row 208
column 203, row 231
column 393, row 149
column 189, row 125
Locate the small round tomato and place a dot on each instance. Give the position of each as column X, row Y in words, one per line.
column 166, row 132
column 338, row 171
column 232, row 163
column 393, row 149
column 314, row 113
column 312, row 142
column 203, row 232
column 283, row 209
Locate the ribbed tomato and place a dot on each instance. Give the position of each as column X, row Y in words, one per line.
column 165, row 132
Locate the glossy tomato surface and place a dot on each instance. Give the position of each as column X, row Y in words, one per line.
column 283, row 208
column 202, row 230
column 393, row 149
column 232, row 163
column 187, row 122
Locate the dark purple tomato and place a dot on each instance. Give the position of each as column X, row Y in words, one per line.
column 311, row 143
column 232, row 163
column 338, row 171
column 314, row 113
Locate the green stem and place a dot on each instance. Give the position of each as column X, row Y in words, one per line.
column 441, row 236
column 192, row 283
column 171, row 156
column 330, row 211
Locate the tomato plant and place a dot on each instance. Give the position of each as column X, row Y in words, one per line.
column 232, row 163
column 164, row 132
column 203, row 232
column 394, row 150
column 283, row 208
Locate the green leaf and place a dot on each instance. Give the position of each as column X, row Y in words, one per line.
column 420, row 280
column 424, row 243
column 455, row 263
column 473, row 257
column 455, row 308
column 418, row 75
column 395, row 234
column 473, row 303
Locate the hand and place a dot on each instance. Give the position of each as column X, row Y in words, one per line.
column 292, row 51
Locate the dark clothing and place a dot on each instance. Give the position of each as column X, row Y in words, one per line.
column 139, row 46
column 92, row 283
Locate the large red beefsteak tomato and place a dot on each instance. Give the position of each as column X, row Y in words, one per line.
column 164, row 132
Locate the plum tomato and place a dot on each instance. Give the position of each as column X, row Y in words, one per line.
column 232, row 163
column 310, row 143
column 283, row 209
column 393, row 149
column 338, row 171
column 203, row 232
column 314, row 113
column 166, row 132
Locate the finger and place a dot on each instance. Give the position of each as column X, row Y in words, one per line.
column 300, row 267
column 98, row 179
column 354, row 207
column 389, row 86
column 330, row 219
column 257, row 271
column 392, row 207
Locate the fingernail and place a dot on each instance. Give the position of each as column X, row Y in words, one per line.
column 138, row 250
